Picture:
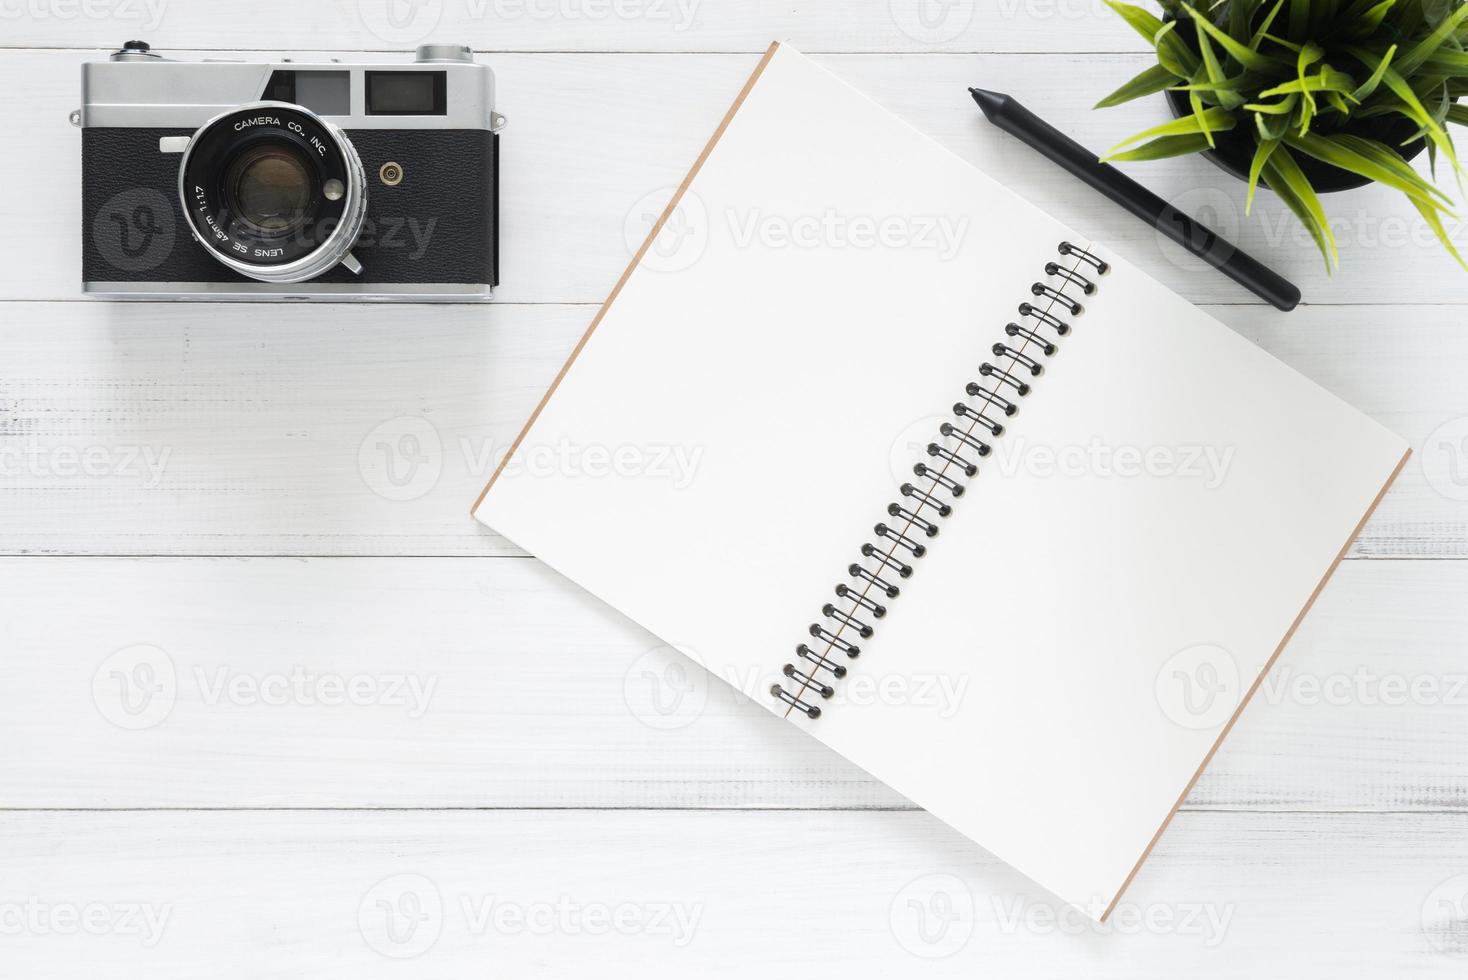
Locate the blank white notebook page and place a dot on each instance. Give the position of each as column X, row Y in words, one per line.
column 1156, row 516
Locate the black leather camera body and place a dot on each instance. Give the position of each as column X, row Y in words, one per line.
column 236, row 181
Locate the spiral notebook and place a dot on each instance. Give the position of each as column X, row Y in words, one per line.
column 944, row 483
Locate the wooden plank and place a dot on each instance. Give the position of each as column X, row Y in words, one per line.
column 495, row 683
column 232, row 429
column 371, row 894
column 597, row 142
column 576, row 25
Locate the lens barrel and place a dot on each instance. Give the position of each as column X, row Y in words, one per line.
column 273, row 191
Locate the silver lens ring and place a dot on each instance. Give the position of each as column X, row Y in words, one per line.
column 220, row 138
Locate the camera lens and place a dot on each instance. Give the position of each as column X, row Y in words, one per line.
column 274, row 192
column 269, row 188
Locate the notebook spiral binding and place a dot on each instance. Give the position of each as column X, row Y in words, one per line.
column 915, row 517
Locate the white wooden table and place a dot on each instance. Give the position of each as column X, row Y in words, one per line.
column 269, row 713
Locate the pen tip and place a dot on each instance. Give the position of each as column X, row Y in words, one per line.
column 988, row 101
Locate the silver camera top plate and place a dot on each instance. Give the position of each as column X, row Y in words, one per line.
column 137, row 88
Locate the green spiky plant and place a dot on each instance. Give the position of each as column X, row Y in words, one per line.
column 1309, row 79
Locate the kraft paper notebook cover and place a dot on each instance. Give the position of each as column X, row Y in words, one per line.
column 829, row 320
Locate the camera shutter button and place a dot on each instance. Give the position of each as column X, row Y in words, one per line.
column 135, row 51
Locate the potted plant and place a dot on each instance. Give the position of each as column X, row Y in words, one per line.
column 1307, row 96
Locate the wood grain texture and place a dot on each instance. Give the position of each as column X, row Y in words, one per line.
column 292, row 895
column 239, row 430
column 596, row 144
column 496, row 683
column 578, row 25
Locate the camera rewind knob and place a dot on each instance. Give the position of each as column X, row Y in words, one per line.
column 440, row 53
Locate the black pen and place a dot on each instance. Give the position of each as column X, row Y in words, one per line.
column 1006, row 113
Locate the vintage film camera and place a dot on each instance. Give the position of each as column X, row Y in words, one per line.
column 238, row 181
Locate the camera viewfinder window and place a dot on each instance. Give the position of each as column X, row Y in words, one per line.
column 406, row 93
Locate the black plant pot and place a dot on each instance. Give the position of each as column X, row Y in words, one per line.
column 1235, row 148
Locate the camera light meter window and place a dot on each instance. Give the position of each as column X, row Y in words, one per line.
column 273, row 191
